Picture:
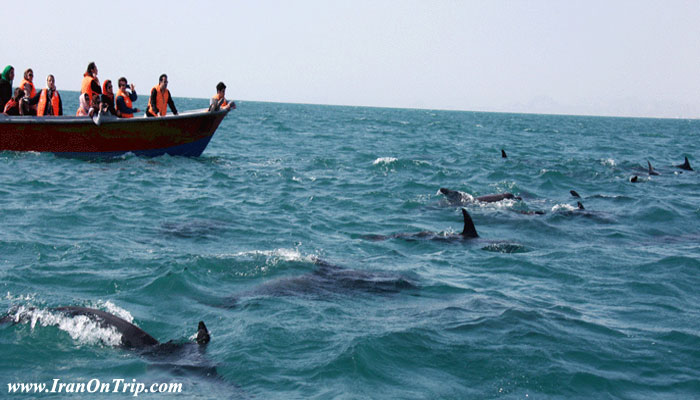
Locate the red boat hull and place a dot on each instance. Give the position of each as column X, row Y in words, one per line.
column 186, row 134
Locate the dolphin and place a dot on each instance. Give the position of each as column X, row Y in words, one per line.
column 651, row 169
column 179, row 357
column 458, row 197
column 686, row 165
column 329, row 280
column 634, row 179
column 132, row 337
column 575, row 194
column 468, row 232
column 493, row 198
column 503, row 154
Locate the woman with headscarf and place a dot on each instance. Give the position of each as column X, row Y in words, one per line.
column 8, row 75
column 27, row 85
column 28, row 80
column 84, row 107
column 108, row 97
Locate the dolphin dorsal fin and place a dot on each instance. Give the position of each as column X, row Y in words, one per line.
column 503, row 154
column 469, row 229
column 202, row 333
column 651, row 169
column 580, row 206
column 575, row 194
column 686, row 165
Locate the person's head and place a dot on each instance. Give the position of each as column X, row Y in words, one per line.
column 51, row 82
column 8, row 73
column 85, row 101
column 91, row 69
column 29, row 75
column 221, row 88
column 123, row 83
column 163, row 81
column 27, row 87
column 107, row 87
column 96, row 100
column 19, row 93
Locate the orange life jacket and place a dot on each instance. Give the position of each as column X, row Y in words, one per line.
column 127, row 101
column 41, row 109
column 32, row 91
column 86, row 87
column 161, row 102
column 12, row 103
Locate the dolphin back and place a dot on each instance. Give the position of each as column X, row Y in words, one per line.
column 132, row 335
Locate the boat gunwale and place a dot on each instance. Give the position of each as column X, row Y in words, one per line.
column 68, row 119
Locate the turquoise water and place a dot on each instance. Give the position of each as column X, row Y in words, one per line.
column 600, row 303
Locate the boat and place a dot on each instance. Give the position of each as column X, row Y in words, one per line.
column 185, row 134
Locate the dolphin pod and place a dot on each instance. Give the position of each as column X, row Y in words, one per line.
column 652, row 172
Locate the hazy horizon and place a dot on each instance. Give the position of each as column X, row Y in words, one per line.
column 626, row 58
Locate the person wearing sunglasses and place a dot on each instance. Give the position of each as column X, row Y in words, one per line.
column 125, row 99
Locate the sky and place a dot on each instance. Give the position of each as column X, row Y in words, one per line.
column 614, row 57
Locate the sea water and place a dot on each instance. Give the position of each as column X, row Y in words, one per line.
column 595, row 303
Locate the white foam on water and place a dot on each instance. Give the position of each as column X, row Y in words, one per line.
column 19, row 298
column 608, row 162
column 115, row 310
column 80, row 327
column 384, row 160
column 563, row 207
column 277, row 255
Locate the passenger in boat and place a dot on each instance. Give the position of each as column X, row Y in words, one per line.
column 14, row 106
column 108, row 97
column 8, row 75
column 49, row 100
column 96, row 106
column 160, row 99
column 100, row 112
column 125, row 99
column 219, row 102
column 84, row 107
column 28, row 81
column 91, row 85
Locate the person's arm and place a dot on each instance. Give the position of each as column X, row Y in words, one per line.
column 96, row 87
column 34, row 100
column 60, row 105
column 153, row 100
column 121, row 106
column 171, row 103
column 133, row 96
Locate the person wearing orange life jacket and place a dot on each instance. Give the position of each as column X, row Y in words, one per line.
column 108, row 97
column 90, row 84
column 160, row 99
column 219, row 102
column 49, row 100
column 27, row 84
column 125, row 99
column 14, row 105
